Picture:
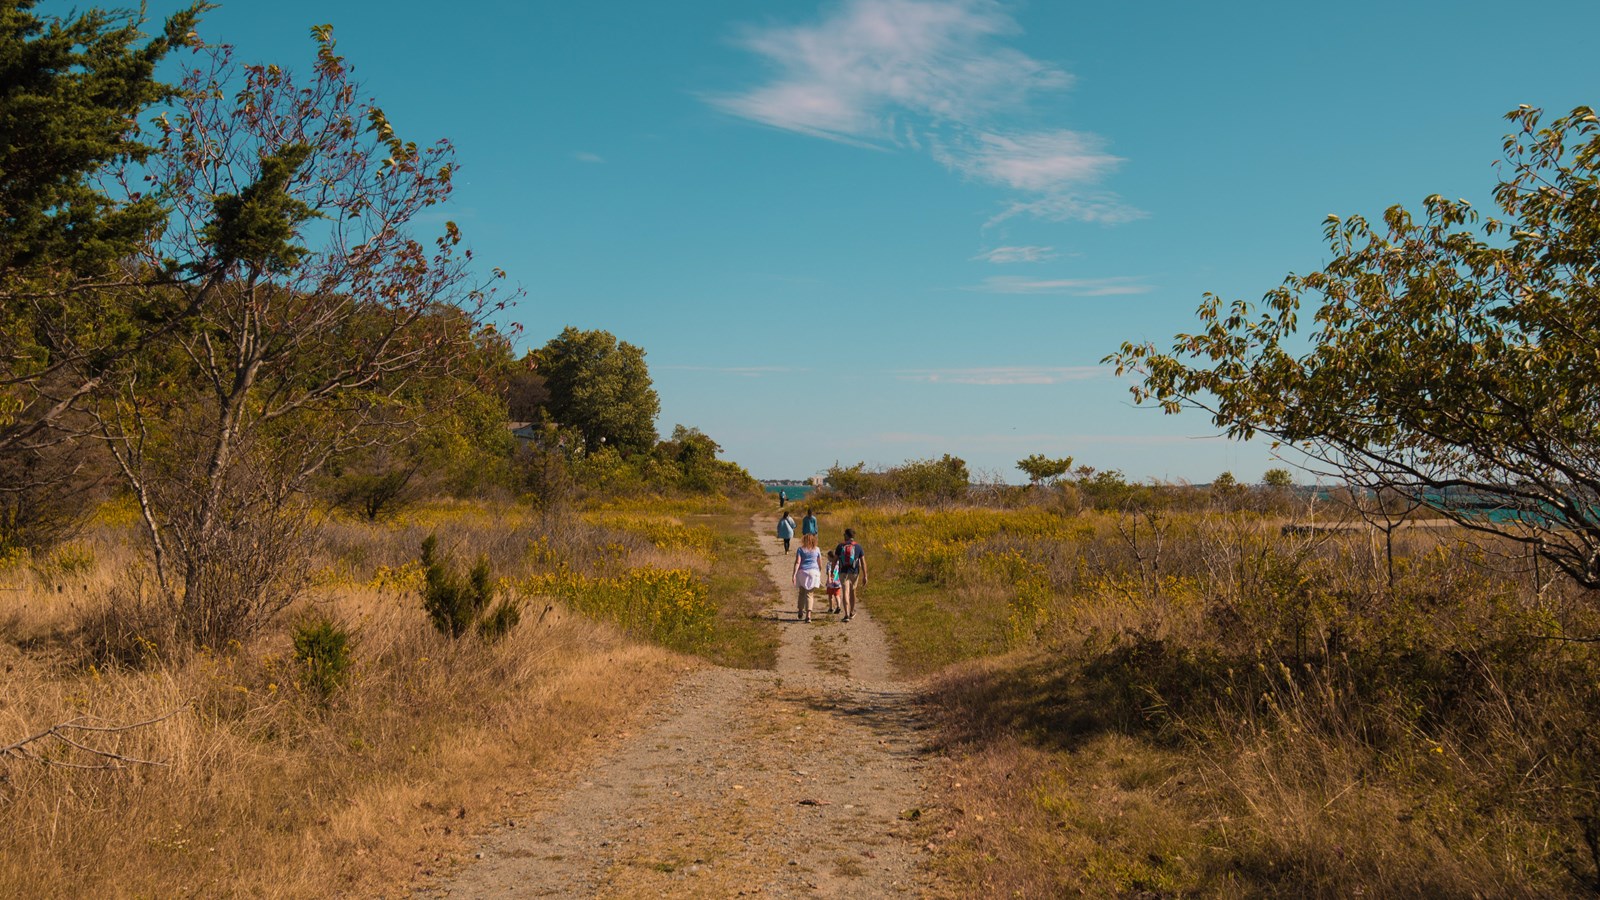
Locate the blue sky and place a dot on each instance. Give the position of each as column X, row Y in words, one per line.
column 881, row 229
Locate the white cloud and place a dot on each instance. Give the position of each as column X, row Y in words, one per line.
column 1004, row 375
column 1028, row 254
column 1102, row 206
column 587, row 157
column 929, row 74
column 1040, row 162
column 1075, row 287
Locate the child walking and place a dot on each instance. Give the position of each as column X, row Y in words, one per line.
column 833, row 583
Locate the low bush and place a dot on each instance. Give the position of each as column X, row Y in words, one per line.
column 455, row 603
column 322, row 647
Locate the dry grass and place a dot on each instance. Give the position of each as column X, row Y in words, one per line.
column 1195, row 704
column 266, row 790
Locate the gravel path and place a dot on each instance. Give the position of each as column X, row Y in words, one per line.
column 805, row 781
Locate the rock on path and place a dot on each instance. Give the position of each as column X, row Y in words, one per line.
column 804, row 781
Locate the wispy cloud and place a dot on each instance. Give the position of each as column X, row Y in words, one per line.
column 1004, row 375
column 1029, row 254
column 930, row 75
column 1072, row 287
column 587, row 157
column 740, row 371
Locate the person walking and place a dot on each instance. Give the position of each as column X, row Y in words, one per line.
column 852, row 563
column 833, row 583
column 807, row 575
column 783, row 497
column 785, row 530
column 808, row 525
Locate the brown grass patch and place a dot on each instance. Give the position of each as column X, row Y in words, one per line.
column 267, row 790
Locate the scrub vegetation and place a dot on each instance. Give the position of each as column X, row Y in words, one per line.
column 1180, row 697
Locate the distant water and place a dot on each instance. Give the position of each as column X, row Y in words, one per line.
column 795, row 491
column 1472, row 505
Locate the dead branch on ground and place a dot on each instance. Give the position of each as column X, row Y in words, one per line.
column 77, row 727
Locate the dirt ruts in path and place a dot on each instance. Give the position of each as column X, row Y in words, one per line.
column 804, row 781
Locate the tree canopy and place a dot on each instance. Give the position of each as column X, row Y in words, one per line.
column 1451, row 357
column 71, row 88
column 599, row 387
column 1040, row 468
column 303, row 343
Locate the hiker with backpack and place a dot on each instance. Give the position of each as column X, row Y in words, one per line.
column 852, row 563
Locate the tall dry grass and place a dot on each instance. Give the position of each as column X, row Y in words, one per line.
column 265, row 788
column 1224, row 708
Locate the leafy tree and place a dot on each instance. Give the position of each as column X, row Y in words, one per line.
column 917, row 480
column 423, row 445
column 690, row 456
column 600, row 387
column 1277, row 479
column 1451, row 358
column 297, row 203
column 1105, row 488
column 71, row 90
column 1040, row 468
column 526, row 394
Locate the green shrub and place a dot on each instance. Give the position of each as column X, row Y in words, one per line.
column 918, row 480
column 322, row 648
column 454, row 604
column 498, row 623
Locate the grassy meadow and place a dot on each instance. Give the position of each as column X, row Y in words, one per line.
column 263, row 781
column 1199, row 702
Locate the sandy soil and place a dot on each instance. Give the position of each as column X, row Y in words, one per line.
column 805, row 781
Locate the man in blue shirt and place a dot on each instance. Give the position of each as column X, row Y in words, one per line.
column 808, row 525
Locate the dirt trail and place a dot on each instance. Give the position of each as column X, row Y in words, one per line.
column 798, row 782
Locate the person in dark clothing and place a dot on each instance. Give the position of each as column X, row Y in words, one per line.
column 785, row 530
column 852, row 563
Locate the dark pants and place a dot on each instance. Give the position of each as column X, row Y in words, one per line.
column 786, row 545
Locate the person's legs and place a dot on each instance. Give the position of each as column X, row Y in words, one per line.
column 803, row 603
column 847, row 593
column 786, row 545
